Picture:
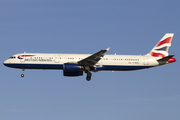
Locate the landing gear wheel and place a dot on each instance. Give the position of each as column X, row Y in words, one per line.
column 88, row 78
column 22, row 75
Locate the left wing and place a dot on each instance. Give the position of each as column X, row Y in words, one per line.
column 93, row 59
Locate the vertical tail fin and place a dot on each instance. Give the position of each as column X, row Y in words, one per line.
column 163, row 46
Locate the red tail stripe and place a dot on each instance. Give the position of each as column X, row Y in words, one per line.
column 157, row 54
column 167, row 40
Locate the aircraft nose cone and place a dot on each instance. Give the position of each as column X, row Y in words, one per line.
column 5, row 62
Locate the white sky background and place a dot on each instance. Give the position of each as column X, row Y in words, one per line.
column 87, row 26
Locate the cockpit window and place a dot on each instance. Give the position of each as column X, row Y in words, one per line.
column 12, row 57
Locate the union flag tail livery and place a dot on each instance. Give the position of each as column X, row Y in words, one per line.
column 163, row 46
column 77, row 64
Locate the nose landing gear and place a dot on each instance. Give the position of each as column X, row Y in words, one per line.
column 22, row 75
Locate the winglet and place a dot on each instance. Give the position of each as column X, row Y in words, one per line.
column 108, row 49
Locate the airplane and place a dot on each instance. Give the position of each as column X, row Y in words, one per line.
column 75, row 64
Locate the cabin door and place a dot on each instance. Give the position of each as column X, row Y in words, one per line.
column 57, row 57
column 23, row 57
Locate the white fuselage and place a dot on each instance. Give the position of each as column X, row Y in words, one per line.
column 56, row 61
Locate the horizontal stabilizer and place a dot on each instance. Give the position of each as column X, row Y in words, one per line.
column 164, row 60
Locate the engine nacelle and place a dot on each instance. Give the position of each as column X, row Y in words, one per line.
column 71, row 69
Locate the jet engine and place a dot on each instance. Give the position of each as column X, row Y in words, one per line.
column 72, row 69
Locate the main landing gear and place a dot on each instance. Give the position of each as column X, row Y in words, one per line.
column 22, row 75
column 89, row 74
